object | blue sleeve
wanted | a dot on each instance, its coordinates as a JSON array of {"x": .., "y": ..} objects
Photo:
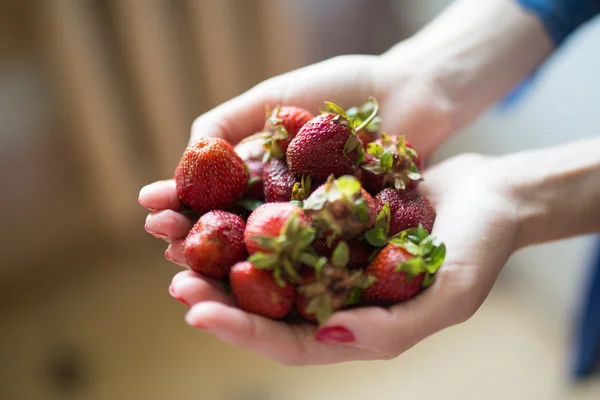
[{"x": 562, "y": 17}]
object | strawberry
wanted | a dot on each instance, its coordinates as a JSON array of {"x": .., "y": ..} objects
[
  {"x": 210, "y": 175},
  {"x": 391, "y": 162},
  {"x": 332, "y": 286},
  {"x": 278, "y": 237},
  {"x": 256, "y": 290},
  {"x": 256, "y": 183},
  {"x": 282, "y": 126},
  {"x": 360, "y": 114},
  {"x": 407, "y": 209},
  {"x": 360, "y": 251},
  {"x": 341, "y": 208},
  {"x": 327, "y": 144},
  {"x": 252, "y": 147},
  {"x": 407, "y": 264},
  {"x": 278, "y": 181},
  {"x": 215, "y": 243},
  {"x": 252, "y": 151}
]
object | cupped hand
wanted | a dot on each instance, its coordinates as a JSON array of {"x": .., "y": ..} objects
[{"x": 476, "y": 220}]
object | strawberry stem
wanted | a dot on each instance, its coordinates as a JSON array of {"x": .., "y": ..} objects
[{"x": 371, "y": 117}]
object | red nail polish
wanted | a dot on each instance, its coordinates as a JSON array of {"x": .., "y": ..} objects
[
  {"x": 182, "y": 301},
  {"x": 335, "y": 334}
]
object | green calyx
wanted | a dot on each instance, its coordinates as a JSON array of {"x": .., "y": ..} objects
[
  {"x": 287, "y": 251},
  {"x": 362, "y": 113},
  {"x": 339, "y": 207},
  {"x": 274, "y": 135},
  {"x": 301, "y": 190},
  {"x": 335, "y": 286},
  {"x": 378, "y": 235},
  {"x": 428, "y": 253},
  {"x": 355, "y": 124},
  {"x": 249, "y": 204},
  {"x": 394, "y": 159}
]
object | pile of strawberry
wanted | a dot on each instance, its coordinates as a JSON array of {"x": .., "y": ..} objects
[{"x": 311, "y": 215}]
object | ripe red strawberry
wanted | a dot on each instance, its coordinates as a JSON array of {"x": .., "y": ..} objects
[
  {"x": 215, "y": 243},
  {"x": 408, "y": 209},
  {"x": 332, "y": 286},
  {"x": 282, "y": 126},
  {"x": 256, "y": 183},
  {"x": 278, "y": 237},
  {"x": 408, "y": 263},
  {"x": 252, "y": 151},
  {"x": 278, "y": 181},
  {"x": 327, "y": 144},
  {"x": 391, "y": 162},
  {"x": 360, "y": 251},
  {"x": 256, "y": 290},
  {"x": 210, "y": 175},
  {"x": 341, "y": 208}
]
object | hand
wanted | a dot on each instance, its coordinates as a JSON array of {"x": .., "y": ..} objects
[
  {"x": 476, "y": 220},
  {"x": 409, "y": 103}
]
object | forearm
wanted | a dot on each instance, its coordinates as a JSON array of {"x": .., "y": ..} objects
[
  {"x": 475, "y": 52},
  {"x": 556, "y": 191}
]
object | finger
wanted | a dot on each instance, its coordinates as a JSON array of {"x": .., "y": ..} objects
[
  {"x": 160, "y": 195},
  {"x": 196, "y": 289},
  {"x": 174, "y": 253},
  {"x": 287, "y": 344},
  {"x": 168, "y": 225}
]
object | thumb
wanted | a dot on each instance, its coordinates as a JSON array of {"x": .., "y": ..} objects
[{"x": 237, "y": 118}]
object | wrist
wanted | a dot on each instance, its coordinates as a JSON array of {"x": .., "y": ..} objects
[
  {"x": 475, "y": 52},
  {"x": 556, "y": 191}
]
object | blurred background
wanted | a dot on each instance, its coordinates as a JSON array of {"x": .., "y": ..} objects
[{"x": 96, "y": 100}]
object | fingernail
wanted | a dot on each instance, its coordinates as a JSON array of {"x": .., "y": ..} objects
[
  {"x": 167, "y": 256},
  {"x": 157, "y": 235},
  {"x": 194, "y": 323},
  {"x": 182, "y": 301},
  {"x": 335, "y": 335}
]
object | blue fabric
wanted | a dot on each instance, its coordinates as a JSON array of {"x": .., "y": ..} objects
[
  {"x": 586, "y": 357},
  {"x": 562, "y": 17}
]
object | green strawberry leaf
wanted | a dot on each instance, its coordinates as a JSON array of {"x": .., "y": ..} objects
[
  {"x": 348, "y": 185},
  {"x": 337, "y": 109},
  {"x": 264, "y": 260},
  {"x": 353, "y": 297},
  {"x": 376, "y": 237},
  {"x": 399, "y": 183},
  {"x": 375, "y": 149},
  {"x": 383, "y": 218},
  {"x": 340, "y": 255},
  {"x": 351, "y": 144},
  {"x": 428, "y": 280},
  {"x": 387, "y": 161},
  {"x": 249, "y": 204}
]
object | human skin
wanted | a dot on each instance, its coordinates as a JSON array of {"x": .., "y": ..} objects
[{"x": 428, "y": 87}]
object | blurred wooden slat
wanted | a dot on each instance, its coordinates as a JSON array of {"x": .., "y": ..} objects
[
  {"x": 285, "y": 44},
  {"x": 220, "y": 47},
  {"x": 92, "y": 105},
  {"x": 151, "y": 51}
]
